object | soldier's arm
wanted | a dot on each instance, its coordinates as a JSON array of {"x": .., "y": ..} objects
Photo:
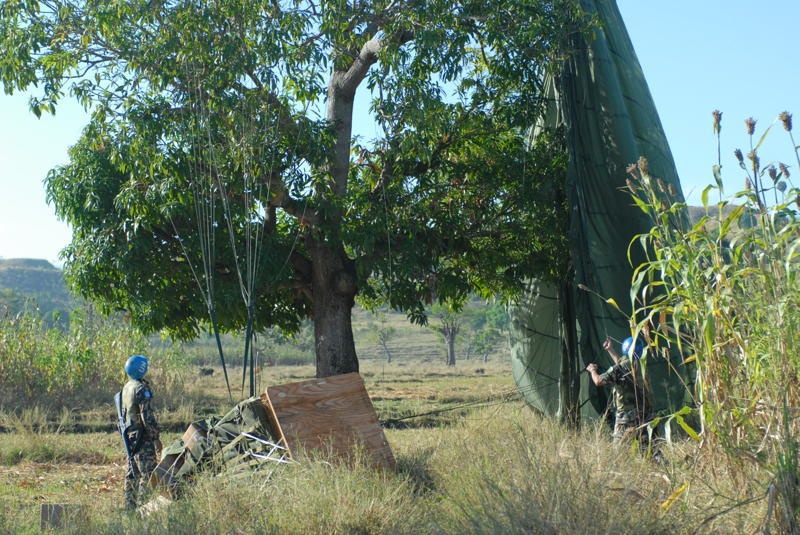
[
  {"x": 597, "y": 379},
  {"x": 149, "y": 419},
  {"x": 608, "y": 346}
]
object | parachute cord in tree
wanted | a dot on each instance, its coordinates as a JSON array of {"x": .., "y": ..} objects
[
  {"x": 251, "y": 192},
  {"x": 213, "y": 314},
  {"x": 383, "y": 120},
  {"x": 205, "y": 212},
  {"x": 251, "y": 257},
  {"x": 248, "y": 352},
  {"x": 209, "y": 305},
  {"x": 237, "y": 261},
  {"x": 204, "y": 209},
  {"x": 252, "y": 227},
  {"x": 253, "y": 237},
  {"x": 237, "y": 264},
  {"x": 205, "y": 216}
]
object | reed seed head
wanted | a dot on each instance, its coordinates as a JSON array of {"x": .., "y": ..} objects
[
  {"x": 786, "y": 119},
  {"x": 781, "y": 186},
  {"x": 739, "y": 156},
  {"x": 633, "y": 171},
  {"x": 753, "y": 157},
  {"x": 643, "y": 165},
  {"x": 717, "y": 120},
  {"x": 773, "y": 172},
  {"x": 784, "y": 170},
  {"x": 750, "y": 124}
]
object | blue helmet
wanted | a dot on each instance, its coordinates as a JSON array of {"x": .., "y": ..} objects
[
  {"x": 136, "y": 367},
  {"x": 631, "y": 349}
]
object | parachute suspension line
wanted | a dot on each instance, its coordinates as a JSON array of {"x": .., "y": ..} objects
[
  {"x": 248, "y": 352},
  {"x": 248, "y": 284},
  {"x": 253, "y": 211},
  {"x": 272, "y": 132},
  {"x": 251, "y": 185},
  {"x": 246, "y": 280},
  {"x": 223, "y": 192},
  {"x": 387, "y": 215},
  {"x": 253, "y": 236},
  {"x": 209, "y": 304},
  {"x": 254, "y": 245},
  {"x": 253, "y": 230},
  {"x": 501, "y": 398},
  {"x": 204, "y": 213},
  {"x": 196, "y": 278},
  {"x": 205, "y": 216}
]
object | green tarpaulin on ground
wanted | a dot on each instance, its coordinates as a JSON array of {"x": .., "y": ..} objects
[{"x": 602, "y": 98}]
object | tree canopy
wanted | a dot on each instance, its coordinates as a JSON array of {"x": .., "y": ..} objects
[{"x": 220, "y": 171}]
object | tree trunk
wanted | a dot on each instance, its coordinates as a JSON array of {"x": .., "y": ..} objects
[
  {"x": 386, "y": 352},
  {"x": 333, "y": 278},
  {"x": 449, "y": 330},
  {"x": 334, "y": 289},
  {"x": 450, "y": 340}
]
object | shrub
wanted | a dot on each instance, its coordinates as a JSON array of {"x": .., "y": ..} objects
[{"x": 47, "y": 367}]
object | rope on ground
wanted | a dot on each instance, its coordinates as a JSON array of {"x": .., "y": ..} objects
[{"x": 505, "y": 397}]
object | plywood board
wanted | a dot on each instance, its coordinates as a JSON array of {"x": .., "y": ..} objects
[
  {"x": 331, "y": 415},
  {"x": 274, "y": 425}
]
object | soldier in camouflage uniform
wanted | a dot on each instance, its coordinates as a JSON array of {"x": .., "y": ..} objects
[
  {"x": 141, "y": 430},
  {"x": 630, "y": 393}
]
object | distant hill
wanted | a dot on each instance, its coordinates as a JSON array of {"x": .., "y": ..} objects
[{"x": 24, "y": 281}]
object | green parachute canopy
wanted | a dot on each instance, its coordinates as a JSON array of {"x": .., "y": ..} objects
[{"x": 602, "y": 99}]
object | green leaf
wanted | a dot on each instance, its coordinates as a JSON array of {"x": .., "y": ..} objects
[
  {"x": 764, "y": 135},
  {"x": 717, "y": 170},
  {"x": 686, "y": 427},
  {"x": 704, "y": 195}
]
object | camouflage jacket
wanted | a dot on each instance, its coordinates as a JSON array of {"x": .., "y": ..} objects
[
  {"x": 138, "y": 410},
  {"x": 629, "y": 388}
]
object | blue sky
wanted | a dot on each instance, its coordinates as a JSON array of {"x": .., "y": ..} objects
[{"x": 697, "y": 56}]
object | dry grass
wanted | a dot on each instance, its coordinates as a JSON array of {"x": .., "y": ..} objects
[{"x": 496, "y": 468}]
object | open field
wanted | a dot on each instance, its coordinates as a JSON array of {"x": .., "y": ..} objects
[
  {"x": 472, "y": 458},
  {"x": 78, "y": 458}
]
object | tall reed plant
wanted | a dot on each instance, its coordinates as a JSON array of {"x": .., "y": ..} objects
[{"x": 723, "y": 293}]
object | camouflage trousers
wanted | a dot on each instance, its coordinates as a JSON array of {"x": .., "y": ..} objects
[
  {"x": 627, "y": 427},
  {"x": 141, "y": 466}
]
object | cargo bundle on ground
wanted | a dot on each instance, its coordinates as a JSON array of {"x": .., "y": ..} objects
[{"x": 331, "y": 417}]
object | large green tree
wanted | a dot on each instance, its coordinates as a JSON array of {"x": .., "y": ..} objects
[{"x": 220, "y": 172}]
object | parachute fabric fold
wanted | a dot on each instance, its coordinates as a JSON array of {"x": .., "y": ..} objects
[{"x": 611, "y": 121}]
